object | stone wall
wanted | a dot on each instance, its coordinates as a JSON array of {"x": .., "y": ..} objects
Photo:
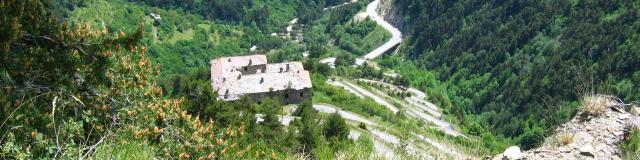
[{"x": 290, "y": 96}]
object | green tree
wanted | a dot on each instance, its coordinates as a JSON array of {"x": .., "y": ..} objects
[
  {"x": 345, "y": 59},
  {"x": 336, "y": 127}
]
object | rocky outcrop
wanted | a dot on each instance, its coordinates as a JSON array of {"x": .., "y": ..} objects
[
  {"x": 586, "y": 136},
  {"x": 392, "y": 14},
  {"x": 512, "y": 152}
]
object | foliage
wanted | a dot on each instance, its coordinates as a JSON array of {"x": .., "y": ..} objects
[
  {"x": 631, "y": 144},
  {"x": 73, "y": 92},
  {"x": 509, "y": 61},
  {"x": 336, "y": 128},
  {"x": 266, "y": 14},
  {"x": 325, "y": 93}
]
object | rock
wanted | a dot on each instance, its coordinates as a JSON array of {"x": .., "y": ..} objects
[
  {"x": 624, "y": 116},
  {"x": 596, "y": 137},
  {"x": 582, "y": 137},
  {"x": 512, "y": 152},
  {"x": 587, "y": 150},
  {"x": 635, "y": 111},
  {"x": 633, "y": 123}
]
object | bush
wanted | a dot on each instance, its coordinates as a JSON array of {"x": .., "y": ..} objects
[
  {"x": 594, "y": 105},
  {"x": 564, "y": 139},
  {"x": 336, "y": 127},
  {"x": 631, "y": 145},
  {"x": 362, "y": 126}
]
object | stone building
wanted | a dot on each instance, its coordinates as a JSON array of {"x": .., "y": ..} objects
[{"x": 234, "y": 77}]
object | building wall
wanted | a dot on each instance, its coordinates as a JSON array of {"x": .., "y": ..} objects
[{"x": 290, "y": 96}]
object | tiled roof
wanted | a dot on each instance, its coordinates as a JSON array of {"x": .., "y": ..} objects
[
  {"x": 228, "y": 80},
  {"x": 227, "y": 67}
]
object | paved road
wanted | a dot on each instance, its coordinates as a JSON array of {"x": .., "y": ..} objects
[{"x": 396, "y": 35}]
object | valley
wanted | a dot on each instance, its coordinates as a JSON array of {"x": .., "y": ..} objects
[{"x": 319, "y": 79}]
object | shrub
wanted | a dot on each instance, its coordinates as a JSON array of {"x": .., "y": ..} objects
[
  {"x": 594, "y": 105},
  {"x": 631, "y": 145},
  {"x": 564, "y": 139},
  {"x": 362, "y": 126}
]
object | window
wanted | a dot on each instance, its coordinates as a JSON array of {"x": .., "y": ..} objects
[
  {"x": 301, "y": 94},
  {"x": 245, "y": 69},
  {"x": 286, "y": 95}
]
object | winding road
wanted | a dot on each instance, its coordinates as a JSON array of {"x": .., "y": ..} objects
[
  {"x": 396, "y": 35},
  {"x": 416, "y": 105},
  {"x": 382, "y": 138}
]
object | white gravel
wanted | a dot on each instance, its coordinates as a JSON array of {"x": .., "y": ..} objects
[
  {"x": 285, "y": 120},
  {"x": 325, "y": 108},
  {"x": 437, "y": 145}
]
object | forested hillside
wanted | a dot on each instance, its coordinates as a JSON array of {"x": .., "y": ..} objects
[
  {"x": 267, "y": 14},
  {"x": 83, "y": 79},
  {"x": 516, "y": 68}
]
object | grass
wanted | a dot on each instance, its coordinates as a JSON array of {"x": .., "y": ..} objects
[
  {"x": 178, "y": 36},
  {"x": 376, "y": 38},
  {"x": 468, "y": 146},
  {"x": 631, "y": 145},
  {"x": 564, "y": 139},
  {"x": 124, "y": 151},
  {"x": 594, "y": 105}
]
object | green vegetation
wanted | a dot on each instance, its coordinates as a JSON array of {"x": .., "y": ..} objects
[
  {"x": 325, "y": 93},
  {"x": 631, "y": 145},
  {"x": 88, "y": 89},
  {"x": 514, "y": 69}
]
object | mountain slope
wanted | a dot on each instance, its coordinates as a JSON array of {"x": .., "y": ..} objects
[
  {"x": 515, "y": 68},
  {"x": 588, "y": 135}
]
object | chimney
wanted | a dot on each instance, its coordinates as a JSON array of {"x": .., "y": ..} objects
[
  {"x": 229, "y": 60},
  {"x": 261, "y": 80},
  {"x": 250, "y": 61},
  {"x": 287, "y": 67}
]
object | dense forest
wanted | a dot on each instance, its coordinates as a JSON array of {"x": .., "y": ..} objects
[
  {"x": 267, "y": 14},
  {"x": 517, "y": 68}
]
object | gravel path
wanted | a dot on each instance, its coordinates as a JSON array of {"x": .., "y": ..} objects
[
  {"x": 383, "y": 139},
  {"x": 417, "y": 109},
  {"x": 325, "y": 108},
  {"x": 361, "y": 91}
]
